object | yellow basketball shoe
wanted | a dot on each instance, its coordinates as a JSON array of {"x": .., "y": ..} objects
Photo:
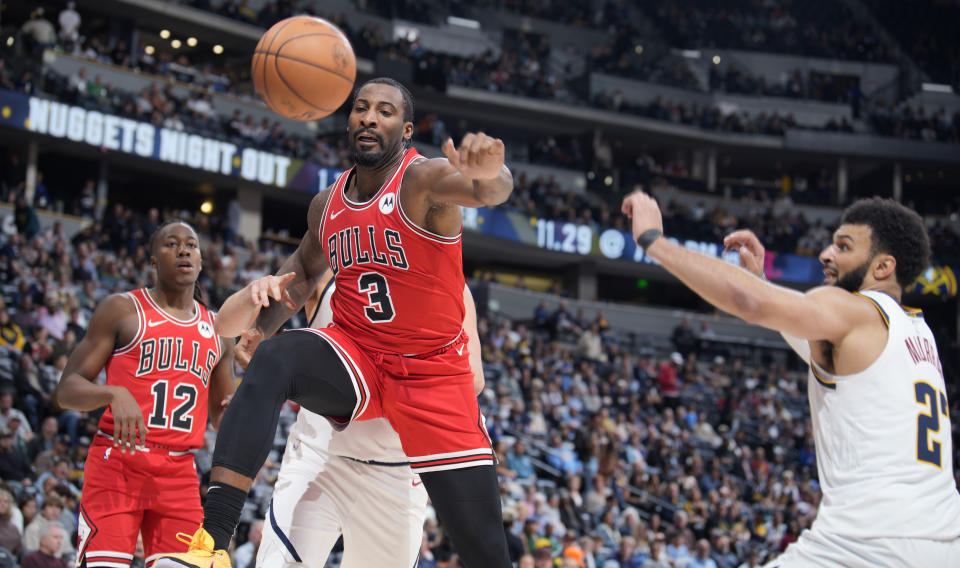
[{"x": 200, "y": 553}]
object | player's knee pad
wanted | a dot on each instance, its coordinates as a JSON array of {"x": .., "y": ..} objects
[{"x": 271, "y": 370}]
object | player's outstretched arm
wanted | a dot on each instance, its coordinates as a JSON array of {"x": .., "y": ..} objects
[
  {"x": 472, "y": 175},
  {"x": 223, "y": 383},
  {"x": 241, "y": 309},
  {"x": 78, "y": 389},
  {"x": 752, "y": 255},
  {"x": 308, "y": 263},
  {"x": 473, "y": 345},
  {"x": 824, "y": 313}
]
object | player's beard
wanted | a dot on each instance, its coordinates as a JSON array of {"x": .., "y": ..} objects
[
  {"x": 853, "y": 280},
  {"x": 369, "y": 159}
]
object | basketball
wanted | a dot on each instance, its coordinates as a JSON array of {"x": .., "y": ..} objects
[{"x": 304, "y": 68}]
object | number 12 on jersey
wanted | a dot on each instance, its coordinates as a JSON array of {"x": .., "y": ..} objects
[
  {"x": 928, "y": 423},
  {"x": 181, "y": 419}
]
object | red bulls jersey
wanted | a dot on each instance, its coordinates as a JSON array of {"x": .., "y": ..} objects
[
  {"x": 399, "y": 287},
  {"x": 167, "y": 369}
]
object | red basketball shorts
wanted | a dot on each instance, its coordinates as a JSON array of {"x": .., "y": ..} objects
[
  {"x": 152, "y": 492},
  {"x": 428, "y": 399}
]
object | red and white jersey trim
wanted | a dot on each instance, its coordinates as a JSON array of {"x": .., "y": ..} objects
[
  {"x": 141, "y": 327},
  {"x": 452, "y": 460}
]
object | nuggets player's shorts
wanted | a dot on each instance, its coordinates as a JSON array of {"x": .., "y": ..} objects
[
  {"x": 318, "y": 496},
  {"x": 821, "y": 550},
  {"x": 428, "y": 399},
  {"x": 155, "y": 492}
]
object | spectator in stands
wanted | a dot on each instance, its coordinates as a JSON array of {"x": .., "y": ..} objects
[
  {"x": 10, "y": 415},
  {"x": 60, "y": 450},
  {"x": 753, "y": 560},
  {"x": 11, "y": 335},
  {"x": 49, "y": 513},
  {"x": 44, "y": 440},
  {"x": 39, "y": 32},
  {"x": 628, "y": 556},
  {"x": 519, "y": 462},
  {"x": 702, "y": 558},
  {"x": 10, "y": 535},
  {"x": 48, "y": 555},
  {"x": 69, "y": 20},
  {"x": 543, "y": 557},
  {"x": 684, "y": 337},
  {"x": 246, "y": 553},
  {"x": 25, "y": 217},
  {"x": 667, "y": 382},
  {"x": 562, "y": 321}
]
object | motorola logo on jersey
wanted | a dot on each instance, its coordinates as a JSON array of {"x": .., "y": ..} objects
[
  {"x": 387, "y": 203},
  {"x": 166, "y": 353},
  {"x": 205, "y": 329},
  {"x": 354, "y": 245}
]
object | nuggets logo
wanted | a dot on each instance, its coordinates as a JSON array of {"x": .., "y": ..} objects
[
  {"x": 205, "y": 329},
  {"x": 936, "y": 281},
  {"x": 387, "y": 203}
]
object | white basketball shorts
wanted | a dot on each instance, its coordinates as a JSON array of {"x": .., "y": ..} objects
[
  {"x": 378, "y": 509},
  {"x": 815, "y": 549}
]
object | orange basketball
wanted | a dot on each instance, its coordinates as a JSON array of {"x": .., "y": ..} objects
[{"x": 304, "y": 68}]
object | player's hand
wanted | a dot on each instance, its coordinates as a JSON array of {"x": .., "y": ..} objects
[
  {"x": 478, "y": 157},
  {"x": 266, "y": 287},
  {"x": 644, "y": 213},
  {"x": 249, "y": 340},
  {"x": 751, "y": 251},
  {"x": 128, "y": 425}
]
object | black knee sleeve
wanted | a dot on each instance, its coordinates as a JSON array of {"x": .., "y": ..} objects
[
  {"x": 467, "y": 502},
  {"x": 298, "y": 365}
]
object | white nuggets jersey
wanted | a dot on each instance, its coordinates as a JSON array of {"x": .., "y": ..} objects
[
  {"x": 372, "y": 440},
  {"x": 884, "y": 450}
]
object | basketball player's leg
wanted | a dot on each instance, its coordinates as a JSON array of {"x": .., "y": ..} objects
[
  {"x": 300, "y": 365},
  {"x": 467, "y": 502},
  {"x": 110, "y": 510},
  {"x": 384, "y": 525},
  {"x": 306, "y": 513},
  {"x": 174, "y": 507},
  {"x": 438, "y": 420}
]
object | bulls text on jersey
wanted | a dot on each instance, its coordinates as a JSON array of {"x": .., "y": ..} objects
[
  {"x": 166, "y": 353},
  {"x": 358, "y": 245}
]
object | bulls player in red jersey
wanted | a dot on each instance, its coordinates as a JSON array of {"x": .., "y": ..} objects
[
  {"x": 167, "y": 373},
  {"x": 389, "y": 229}
]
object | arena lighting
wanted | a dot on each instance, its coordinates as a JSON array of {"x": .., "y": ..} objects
[
  {"x": 716, "y": 60},
  {"x": 10, "y": 41},
  {"x": 406, "y": 32},
  {"x": 638, "y": 50},
  {"x": 218, "y": 49},
  {"x": 149, "y": 50},
  {"x": 192, "y": 41},
  {"x": 175, "y": 44},
  {"x": 164, "y": 34},
  {"x": 206, "y": 207},
  {"x": 463, "y": 22},
  {"x": 936, "y": 88},
  {"x": 690, "y": 53},
  {"x": 608, "y": 180}
]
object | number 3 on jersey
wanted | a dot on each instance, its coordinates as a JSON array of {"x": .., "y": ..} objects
[
  {"x": 928, "y": 451},
  {"x": 379, "y": 308}
]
